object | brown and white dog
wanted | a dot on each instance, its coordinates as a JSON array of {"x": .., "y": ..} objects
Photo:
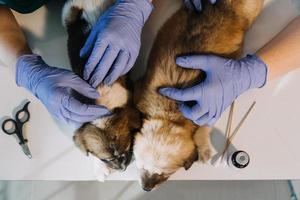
[
  {"x": 109, "y": 138},
  {"x": 168, "y": 141}
]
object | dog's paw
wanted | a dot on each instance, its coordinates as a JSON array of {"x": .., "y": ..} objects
[
  {"x": 205, "y": 154},
  {"x": 202, "y": 142}
]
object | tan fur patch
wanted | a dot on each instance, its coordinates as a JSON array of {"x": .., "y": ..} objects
[{"x": 112, "y": 96}]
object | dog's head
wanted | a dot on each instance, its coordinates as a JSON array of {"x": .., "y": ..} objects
[
  {"x": 110, "y": 138},
  {"x": 160, "y": 149}
]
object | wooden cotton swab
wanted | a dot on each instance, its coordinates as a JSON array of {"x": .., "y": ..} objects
[
  {"x": 242, "y": 121},
  {"x": 230, "y": 138},
  {"x": 228, "y": 129}
]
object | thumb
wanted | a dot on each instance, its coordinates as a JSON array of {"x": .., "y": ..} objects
[
  {"x": 88, "y": 46},
  {"x": 203, "y": 62},
  {"x": 187, "y": 94}
]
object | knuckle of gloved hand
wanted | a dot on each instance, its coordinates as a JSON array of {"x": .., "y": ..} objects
[
  {"x": 114, "y": 47},
  {"x": 101, "y": 40},
  {"x": 194, "y": 116},
  {"x": 65, "y": 99}
]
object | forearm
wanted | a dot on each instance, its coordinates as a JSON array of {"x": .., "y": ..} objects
[
  {"x": 282, "y": 53},
  {"x": 12, "y": 40}
]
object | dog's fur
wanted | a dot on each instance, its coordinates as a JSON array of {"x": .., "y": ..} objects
[
  {"x": 109, "y": 138},
  {"x": 167, "y": 140}
]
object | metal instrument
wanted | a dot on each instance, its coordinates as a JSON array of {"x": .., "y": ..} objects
[{"x": 15, "y": 127}]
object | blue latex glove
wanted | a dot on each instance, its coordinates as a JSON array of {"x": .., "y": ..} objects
[
  {"x": 196, "y": 4},
  {"x": 115, "y": 40},
  {"x": 226, "y": 79},
  {"x": 53, "y": 86}
]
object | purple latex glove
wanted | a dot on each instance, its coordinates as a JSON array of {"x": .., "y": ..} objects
[
  {"x": 53, "y": 86},
  {"x": 226, "y": 79},
  {"x": 196, "y": 4},
  {"x": 115, "y": 40}
]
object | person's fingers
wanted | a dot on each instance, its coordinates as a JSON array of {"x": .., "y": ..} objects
[
  {"x": 187, "y": 94},
  {"x": 212, "y": 121},
  {"x": 193, "y": 112},
  {"x": 197, "y": 4},
  {"x": 77, "y": 117},
  {"x": 203, "y": 62},
  {"x": 129, "y": 65},
  {"x": 88, "y": 46},
  {"x": 97, "y": 54},
  {"x": 103, "y": 67},
  {"x": 193, "y": 4},
  {"x": 75, "y": 106},
  {"x": 188, "y": 4},
  {"x": 73, "y": 123},
  {"x": 117, "y": 68},
  {"x": 82, "y": 87},
  {"x": 203, "y": 120}
]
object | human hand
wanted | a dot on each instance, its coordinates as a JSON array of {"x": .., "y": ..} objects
[
  {"x": 196, "y": 4},
  {"x": 53, "y": 87},
  {"x": 114, "y": 42},
  {"x": 225, "y": 80}
]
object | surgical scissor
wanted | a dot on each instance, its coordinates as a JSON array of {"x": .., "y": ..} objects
[{"x": 15, "y": 127}]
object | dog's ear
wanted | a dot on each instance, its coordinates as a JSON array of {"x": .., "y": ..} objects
[
  {"x": 80, "y": 142},
  {"x": 90, "y": 139},
  {"x": 193, "y": 158}
]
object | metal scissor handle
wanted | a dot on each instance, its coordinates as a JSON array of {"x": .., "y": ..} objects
[
  {"x": 23, "y": 116},
  {"x": 15, "y": 126},
  {"x": 10, "y": 127}
]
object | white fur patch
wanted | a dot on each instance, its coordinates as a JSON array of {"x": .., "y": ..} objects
[
  {"x": 101, "y": 171},
  {"x": 150, "y": 126},
  {"x": 159, "y": 152},
  {"x": 92, "y": 9},
  {"x": 100, "y": 123}
]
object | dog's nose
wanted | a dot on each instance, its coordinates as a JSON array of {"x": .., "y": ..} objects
[{"x": 122, "y": 159}]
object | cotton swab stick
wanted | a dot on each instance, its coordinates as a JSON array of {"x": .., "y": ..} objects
[
  {"x": 229, "y": 122},
  {"x": 219, "y": 160},
  {"x": 242, "y": 121},
  {"x": 229, "y": 137},
  {"x": 228, "y": 129}
]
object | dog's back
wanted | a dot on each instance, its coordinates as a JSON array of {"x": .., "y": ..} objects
[{"x": 190, "y": 32}]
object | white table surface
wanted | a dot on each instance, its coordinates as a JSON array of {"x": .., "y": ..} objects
[{"x": 271, "y": 134}]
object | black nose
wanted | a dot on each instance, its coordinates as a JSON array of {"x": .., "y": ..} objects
[
  {"x": 147, "y": 189},
  {"x": 122, "y": 159}
]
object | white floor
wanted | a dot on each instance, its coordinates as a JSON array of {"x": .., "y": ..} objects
[{"x": 173, "y": 190}]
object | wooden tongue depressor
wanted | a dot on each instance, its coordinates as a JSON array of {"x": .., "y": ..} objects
[{"x": 229, "y": 137}]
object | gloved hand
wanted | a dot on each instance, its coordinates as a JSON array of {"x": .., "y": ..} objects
[
  {"x": 196, "y": 4},
  {"x": 226, "y": 79},
  {"x": 114, "y": 42},
  {"x": 53, "y": 86}
]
